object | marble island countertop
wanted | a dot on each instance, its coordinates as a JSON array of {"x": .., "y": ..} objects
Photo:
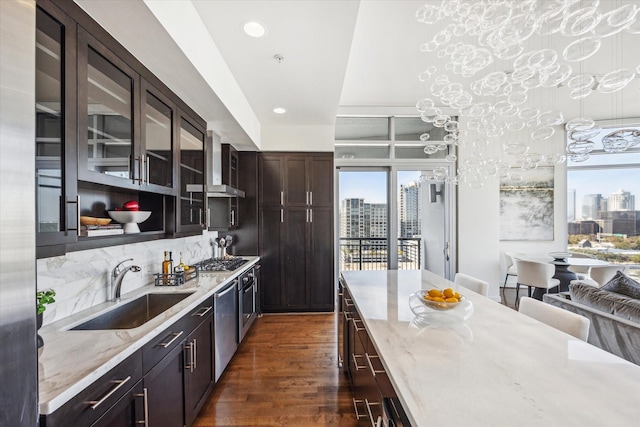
[
  {"x": 497, "y": 368},
  {"x": 70, "y": 361}
]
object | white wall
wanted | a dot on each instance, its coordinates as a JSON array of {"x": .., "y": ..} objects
[{"x": 297, "y": 138}]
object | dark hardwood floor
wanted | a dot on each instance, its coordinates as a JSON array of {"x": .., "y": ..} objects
[{"x": 285, "y": 373}]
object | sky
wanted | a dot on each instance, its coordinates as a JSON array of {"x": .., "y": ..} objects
[{"x": 370, "y": 186}]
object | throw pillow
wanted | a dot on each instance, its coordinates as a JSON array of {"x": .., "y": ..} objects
[
  {"x": 593, "y": 297},
  {"x": 623, "y": 284}
]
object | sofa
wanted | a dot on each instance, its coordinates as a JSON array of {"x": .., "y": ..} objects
[{"x": 614, "y": 316}]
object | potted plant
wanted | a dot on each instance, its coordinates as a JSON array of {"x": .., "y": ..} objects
[{"x": 42, "y": 299}]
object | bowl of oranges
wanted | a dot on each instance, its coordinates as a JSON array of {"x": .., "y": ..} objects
[{"x": 445, "y": 299}]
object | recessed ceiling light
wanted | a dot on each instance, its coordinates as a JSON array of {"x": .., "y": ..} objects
[
  {"x": 254, "y": 29},
  {"x": 279, "y": 110}
]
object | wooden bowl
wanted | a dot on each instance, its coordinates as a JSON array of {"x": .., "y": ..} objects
[{"x": 90, "y": 220}]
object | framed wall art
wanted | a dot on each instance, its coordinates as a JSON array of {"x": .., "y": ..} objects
[{"x": 526, "y": 206}]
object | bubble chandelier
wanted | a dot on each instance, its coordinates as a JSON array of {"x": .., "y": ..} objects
[{"x": 490, "y": 103}]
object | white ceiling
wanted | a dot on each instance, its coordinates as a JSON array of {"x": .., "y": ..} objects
[{"x": 340, "y": 56}]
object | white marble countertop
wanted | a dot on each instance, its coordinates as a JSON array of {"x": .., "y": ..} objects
[
  {"x": 70, "y": 361},
  {"x": 498, "y": 368}
]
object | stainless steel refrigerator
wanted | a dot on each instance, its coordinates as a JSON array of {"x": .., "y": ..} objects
[{"x": 18, "y": 352}]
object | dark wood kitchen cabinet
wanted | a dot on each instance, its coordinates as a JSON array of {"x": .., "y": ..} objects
[
  {"x": 296, "y": 231},
  {"x": 191, "y": 200},
  {"x": 163, "y": 385},
  {"x": 127, "y": 412},
  {"x": 56, "y": 158},
  {"x": 374, "y": 398},
  {"x": 107, "y": 131},
  {"x": 198, "y": 369},
  {"x": 125, "y": 125},
  {"x": 115, "y": 399},
  {"x": 179, "y": 368}
]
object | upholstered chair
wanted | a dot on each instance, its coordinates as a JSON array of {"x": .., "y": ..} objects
[
  {"x": 559, "y": 318},
  {"x": 476, "y": 285},
  {"x": 535, "y": 274}
]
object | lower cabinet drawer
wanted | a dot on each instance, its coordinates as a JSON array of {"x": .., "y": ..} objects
[
  {"x": 155, "y": 350},
  {"x": 94, "y": 401}
]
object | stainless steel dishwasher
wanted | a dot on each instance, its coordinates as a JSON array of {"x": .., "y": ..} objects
[{"x": 226, "y": 324}]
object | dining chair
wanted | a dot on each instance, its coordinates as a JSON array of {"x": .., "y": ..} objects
[
  {"x": 601, "y": 274},
  {"x": 559, "y": 318},
  {"x": 476, "y": 285},
  {"x": 582, "y": 271},
  {"x": 509, "y": 266},
  {"x": 534, "y": 274}
]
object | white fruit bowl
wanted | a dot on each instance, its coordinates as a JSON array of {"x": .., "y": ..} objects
[{"x": 130, "y": 219}]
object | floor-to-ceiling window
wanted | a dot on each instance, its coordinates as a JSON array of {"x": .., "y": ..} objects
[
  {"x": 391, "y": 213},
  {"x": 603, "y": 203}
]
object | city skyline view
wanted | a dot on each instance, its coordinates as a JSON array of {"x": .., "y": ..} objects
[{"x": 601, "y": 182}]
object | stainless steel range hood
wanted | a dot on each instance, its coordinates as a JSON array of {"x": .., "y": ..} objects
[{"x": 213, "y": 190}]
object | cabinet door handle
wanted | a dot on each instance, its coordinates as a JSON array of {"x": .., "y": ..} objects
[
  {"x": 281, "y": 215},
  {"x": 195, "y": 354},
  {"x": 306, "y": 214},
  {"x": 355, "y": 406},
  {"x": 346, "y": 316},
  {"x": 310, "y": 198},
  {"x": 78, "y": 212},
  {"x": 119, "y": 384},
  {"x": 374, "y": 372},
  {"x": 202, "y": 311},
  {"x": 208, "y": 217},
  {"x": 189, "y": 365},
  {"x": 306, "y": 197},
  {"x": 143, "y": 169},
  {"x": 355, "y": 324},
  {"x": 310, "y": 215},
  {"x": 233, "y": 217},
  {"x": 282, "y": 198},
  {"x": 355, "y": 361},
  {"x": 145, "y": 406},
  {"x": 146, "y": 173},
  {"x": 368, "y": 405},
  {"x": 175, "y": 336}
]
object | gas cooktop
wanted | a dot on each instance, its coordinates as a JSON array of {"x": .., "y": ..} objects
[{"x": 220, "y": 264}]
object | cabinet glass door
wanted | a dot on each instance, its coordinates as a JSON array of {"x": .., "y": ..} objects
[
  {"x": 56, "y": 204},
  {"x": 109, "y": 121},
  {"x": 191, "y": 175},
  {"x": 158, "y": 135}
]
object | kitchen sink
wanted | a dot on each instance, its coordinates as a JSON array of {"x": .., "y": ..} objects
[{"x": 133, "y": 314}]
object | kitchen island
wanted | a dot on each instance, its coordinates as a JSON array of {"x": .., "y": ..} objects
[{"x": 496, "y": 368}]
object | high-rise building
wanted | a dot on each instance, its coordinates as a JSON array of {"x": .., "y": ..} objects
[
  {"x": 591, "y": 205},
  {"x": 352, "y": 218},
  {"x": 360, "y": 219},
  {"x": 621, "y": 201},
  {"x": 376, "y": 220},
  {"x": 571, "y": 204},
  {"x": 409, "y": 215}
]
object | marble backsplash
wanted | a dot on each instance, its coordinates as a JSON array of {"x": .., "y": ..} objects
[{"x": 82, "y": 279}]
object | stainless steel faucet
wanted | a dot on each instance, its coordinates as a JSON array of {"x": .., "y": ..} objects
[{"x": 116, "y": 278}]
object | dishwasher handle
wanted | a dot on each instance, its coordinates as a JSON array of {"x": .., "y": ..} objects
[{"x": 231, "y": 287}]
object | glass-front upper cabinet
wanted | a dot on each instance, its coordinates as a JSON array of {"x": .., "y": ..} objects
[
  {"x": 56, "y": 190},
  {"x": 106, "y": 88},
  {"x": 191, "y": 200},
  {"x": 157, "y": 154}
]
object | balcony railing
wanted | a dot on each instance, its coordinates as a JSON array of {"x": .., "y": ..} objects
[{"x": 365, "y": 253}]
